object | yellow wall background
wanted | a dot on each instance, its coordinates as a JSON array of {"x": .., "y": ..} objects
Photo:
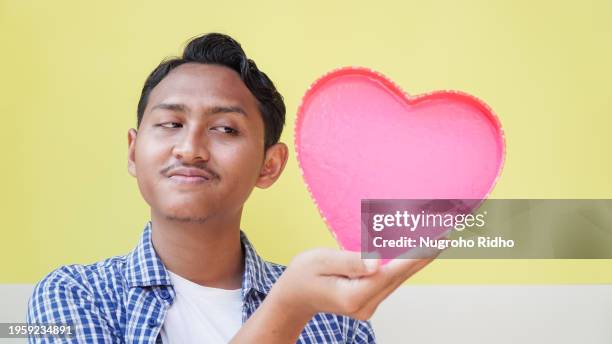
[{"x": 72, "y": 72}]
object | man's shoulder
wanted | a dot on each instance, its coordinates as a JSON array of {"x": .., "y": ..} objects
[
  {"x": 74, "y": 275},
  {"x": 79, "y": 283},
  {"x": 81, "y": 295}
]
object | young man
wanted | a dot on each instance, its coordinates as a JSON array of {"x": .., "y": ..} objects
[{"x": 208, "y": 129}]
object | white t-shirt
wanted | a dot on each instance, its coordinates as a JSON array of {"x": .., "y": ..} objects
[{"x": 201, "y": 314}]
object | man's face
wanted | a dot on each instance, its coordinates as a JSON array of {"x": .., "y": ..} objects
[{"x": 199, "y": 150}]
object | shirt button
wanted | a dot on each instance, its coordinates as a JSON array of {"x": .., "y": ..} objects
[
  {"x": 164, "y": 294},
  {"x": 152, "y": 322}
]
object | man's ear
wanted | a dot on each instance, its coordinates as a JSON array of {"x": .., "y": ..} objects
[
  {"x": 132, "y": 151},
  {"x": 274, "y": 163}
]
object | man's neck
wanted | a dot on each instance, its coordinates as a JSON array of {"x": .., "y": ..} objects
[{"x": 208, "y": 253}]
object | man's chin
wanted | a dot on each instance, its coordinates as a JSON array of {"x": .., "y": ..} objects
[{"x": 187, "y": 218}]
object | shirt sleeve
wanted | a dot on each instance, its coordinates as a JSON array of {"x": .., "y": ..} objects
[
  {"x": 363, "y": 333},
  {"x": 62, "y": 298}
]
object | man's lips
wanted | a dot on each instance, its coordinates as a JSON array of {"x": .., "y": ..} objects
[
  {"x": 190, "y": 175},
  {"x": 188, "y": 179}
]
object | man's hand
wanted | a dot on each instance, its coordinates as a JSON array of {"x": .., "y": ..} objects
[
  {"x": 332, "y": 281},
  {"x": 328, "y": 281}
]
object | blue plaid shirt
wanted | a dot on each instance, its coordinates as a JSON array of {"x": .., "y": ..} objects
[{"x": 124, "y": 299}]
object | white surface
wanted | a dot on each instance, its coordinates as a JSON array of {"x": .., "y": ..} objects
[
  {"x": 459, "y": 314},
  {"x": 496, "y": 314},
  {"x": 14, "y": 306}
]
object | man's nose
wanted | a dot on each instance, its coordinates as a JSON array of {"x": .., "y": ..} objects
[{"x": 193, "y": 146}]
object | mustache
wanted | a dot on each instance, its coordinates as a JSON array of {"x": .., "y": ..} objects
[{"x": 202, "y": 167}]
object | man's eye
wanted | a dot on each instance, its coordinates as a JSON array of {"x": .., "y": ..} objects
[
  {"x": 171, "y": 125},
  {"x": 227, "y": 130}
]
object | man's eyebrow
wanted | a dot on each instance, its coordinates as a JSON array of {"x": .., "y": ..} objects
[
  {"x": 226, "y": 109},
  {"x": 171, "y": 106}
]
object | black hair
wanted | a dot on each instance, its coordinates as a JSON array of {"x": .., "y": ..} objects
[{"x": 220, "y": 49}]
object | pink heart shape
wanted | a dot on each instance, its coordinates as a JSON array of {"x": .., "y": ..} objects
[{"x": 359, "y": 136}]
